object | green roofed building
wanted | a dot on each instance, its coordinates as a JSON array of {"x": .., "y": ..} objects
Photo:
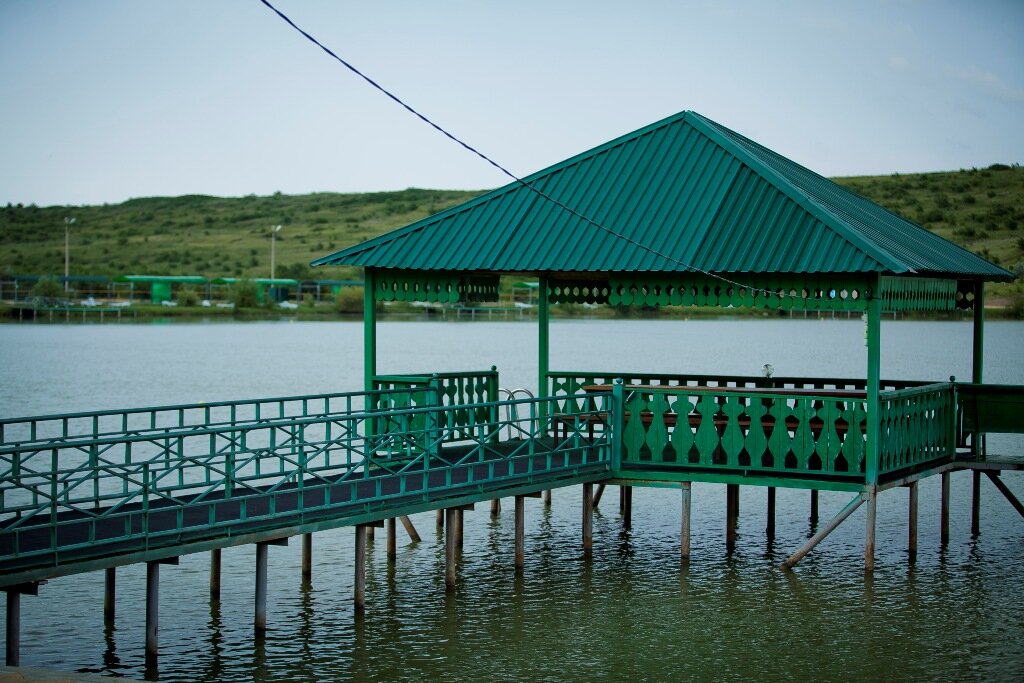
[{"x": 160, "y": 286}]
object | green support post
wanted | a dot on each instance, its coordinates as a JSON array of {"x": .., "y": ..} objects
[
  {"x": 874, "y": 343},
  {"x": 978, "y": 352},
  {"x": 979, "y": 332},
  {"x": 542, "y": 341},
  {"x": 369, "y": 330},
  {"x": 618, "y": 420}
]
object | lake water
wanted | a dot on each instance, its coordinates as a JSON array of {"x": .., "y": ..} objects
[{"x": 629, "y": 612}]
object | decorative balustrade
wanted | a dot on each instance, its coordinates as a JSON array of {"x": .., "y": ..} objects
[
  {"x": 472, "y": 393},
  {"x": 917, "y": 427},
  {"x": 814, "y": 433},
  {"x": 562, "y": 384}
]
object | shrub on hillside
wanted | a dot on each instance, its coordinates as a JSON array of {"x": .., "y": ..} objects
[{"x": 349, "y": 300}]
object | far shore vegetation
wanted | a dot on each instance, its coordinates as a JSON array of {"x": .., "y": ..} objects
[{"x": 982, "y": 209}]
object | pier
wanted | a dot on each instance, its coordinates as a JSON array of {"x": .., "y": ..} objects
[{"x": 94, "y": 491}]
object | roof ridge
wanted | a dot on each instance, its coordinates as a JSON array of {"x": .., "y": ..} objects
[{"x": 802, "y": 199}]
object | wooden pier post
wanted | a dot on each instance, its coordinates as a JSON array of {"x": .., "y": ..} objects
[
  {"x": 152, "y": 609},
  {"x": 307, "y": 558},
  {"x": 414, "y": 535},
  {"x": 588, "y": 518},
  {"x": 912, "y": 519},
  {"x": 392, "y": 541},
  {"x": 869, "y": 535},
  {"x": 547, "y": 498},
  {"x": 597, "y": 494},
  {"x": 215, "y": 574},
  {"x": 684, "y": 529},
  {"x": 439, "y": 518},
  {"x": 459, "y": 519},
  {"x": 449, "y": 549},
  {"x": 814, "y": 507},
  {"x": 975, "y": 503},
  {"x": 732, "y": 494},
  {"x": 495, "y": 507},
  {"x": 261, "y": 587},
  {"x": 14, "y": 593},
  {"x": 109, "y": 594},
  {"x": 360, "y": 568},
  {"x": 769, "y": 529},
  {"x": 13, "y": 628},
  {"x": 369, "y": 533},
  {"x": 520, "y": 524},
  {"x": 944, "y": 512},
  {"x": 627, "y": 506}
]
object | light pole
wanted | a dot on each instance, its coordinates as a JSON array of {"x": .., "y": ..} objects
[
  {"x": 67, "y": 249},
  {"x": 273, "y": 242}
]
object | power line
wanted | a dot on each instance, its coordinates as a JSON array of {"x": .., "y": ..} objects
[{"x": 498, "y": 166}]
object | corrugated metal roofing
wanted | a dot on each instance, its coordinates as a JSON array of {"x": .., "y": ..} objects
[{"x": 681, "y": 194}]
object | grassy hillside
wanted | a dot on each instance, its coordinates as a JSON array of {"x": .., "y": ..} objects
[
  {"x": 981, "y": 209},
  {"x": 209, "y": 236}
]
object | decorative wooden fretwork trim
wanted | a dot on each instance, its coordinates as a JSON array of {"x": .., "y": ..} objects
[
  {"x": 433, "y": 287},
  {"x": 917, "y": 294}
]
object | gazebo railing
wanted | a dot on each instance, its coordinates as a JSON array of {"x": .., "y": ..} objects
[
  {"x": 917, "y": 427},
  {"x": 474, "y": 393},
  {"x": 572, "y": 383},
  {"x": 742, "y": 430}
]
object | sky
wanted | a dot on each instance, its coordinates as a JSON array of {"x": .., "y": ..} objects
[{"x": 107, "y": 100}]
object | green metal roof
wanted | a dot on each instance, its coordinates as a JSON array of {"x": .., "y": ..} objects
[
  {"x": 682, "y": 194},
  {"x": 170, "y": 279}
]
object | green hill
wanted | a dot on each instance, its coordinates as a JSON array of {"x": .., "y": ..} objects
[{"x": 981, "y": 209}]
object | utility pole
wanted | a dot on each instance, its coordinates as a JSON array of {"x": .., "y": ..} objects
[
  {"x": 273, "y": 242},
  {"x": 67, "y": 251}
]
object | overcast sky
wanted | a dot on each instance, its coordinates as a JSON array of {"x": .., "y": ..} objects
[{"x": 111, "y": 99}]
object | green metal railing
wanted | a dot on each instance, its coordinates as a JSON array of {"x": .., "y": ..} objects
[
  {"x": 918, "y": 427},
  {"x": 78, "y": 498},
  {"x": 95, "y": 424}
]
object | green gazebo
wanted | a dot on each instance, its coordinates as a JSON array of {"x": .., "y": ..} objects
[{"x": 686, "y": 212}]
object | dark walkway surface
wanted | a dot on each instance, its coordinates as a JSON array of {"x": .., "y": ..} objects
[{"x": 326, "y": 501}]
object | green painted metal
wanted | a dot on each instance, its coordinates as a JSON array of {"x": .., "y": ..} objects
[
  {"x": 978, "y": 337},
  {"x": 679, "y": 195},
  {"x": 110, "y": 423},
  {"x": 672, "y": 479},
  {"x": 543, "y": 338},
  {"x": 79, "y": 499},
  {"x": 369, "y": 330},
  {"x": 873, "y": 340}
]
